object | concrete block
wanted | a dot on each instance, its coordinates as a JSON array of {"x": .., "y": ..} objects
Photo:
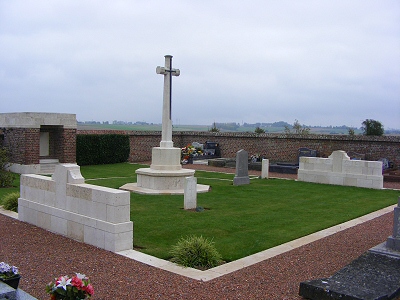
[
  {"x": 114, "y": 228},
  {"x": 349, "y": 181},
  {"x": 79, "y": 191},
  {"x": 99, "y": 211},
  {"x": 59, "y": 225},
  {"x": 44, "y": 220},
  {"x": 110, "y": 196},
  {"x": 118, "y": 242},
  {"x": 75, "y": 231},
  {"x": 118, "y": 214}
]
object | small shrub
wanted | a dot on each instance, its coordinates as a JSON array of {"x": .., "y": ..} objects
[
  {"x": 195, "y": 252},
  {"x": 6, "y": 177},
  {"x": 10, "y": 201}
]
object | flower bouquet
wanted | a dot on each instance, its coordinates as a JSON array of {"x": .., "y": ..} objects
[
  {"x": 9, "y": 275},
  {"x": 76, "y": 288}
]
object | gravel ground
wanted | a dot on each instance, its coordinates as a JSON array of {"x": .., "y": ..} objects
[{"x": 41, "y": 256}]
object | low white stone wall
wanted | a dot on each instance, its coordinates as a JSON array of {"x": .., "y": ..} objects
[
  {"x": 340, "y": 170},
  {"x": 64, "y": 204}
]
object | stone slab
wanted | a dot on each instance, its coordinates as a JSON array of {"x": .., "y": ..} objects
[
  {"x": 8, "y": 293},
  {"x": 372, "y": 276}
]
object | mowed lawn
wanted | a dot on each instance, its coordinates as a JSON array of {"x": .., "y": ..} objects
[{"x": 241, "y": 220}]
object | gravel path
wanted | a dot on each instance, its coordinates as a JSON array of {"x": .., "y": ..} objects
[{"x": 41, "y": 256}]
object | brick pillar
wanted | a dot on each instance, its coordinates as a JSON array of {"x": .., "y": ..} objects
[{"x": 68, "y": 146}]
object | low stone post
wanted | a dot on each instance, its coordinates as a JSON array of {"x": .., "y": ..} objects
[
  {"x": 190, "y": 193},
  {"x": 265, "y": 168}
]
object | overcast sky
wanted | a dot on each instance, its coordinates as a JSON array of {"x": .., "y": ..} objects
[{"x": 320, "y": 62}]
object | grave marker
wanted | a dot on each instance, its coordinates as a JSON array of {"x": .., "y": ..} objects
[
  {"x": 393, "y": 241},
  {"x": 190, "y": 193},
  {"x": 265, "y": 168},
  {"x": 242, "y": 168}
]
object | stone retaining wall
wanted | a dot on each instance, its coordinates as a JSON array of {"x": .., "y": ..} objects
[{"x": 64, "y": 204}]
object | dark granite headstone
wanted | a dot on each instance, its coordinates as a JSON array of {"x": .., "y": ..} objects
[
  {"x": 375, "y": 275},
  {"x": 306, "y": 152},
  {"x": 242, "y": 168},
  {"x": 7, "y": 292},
  {"x": 372, "y": 276},
  {"x": 393, "y": 241}
]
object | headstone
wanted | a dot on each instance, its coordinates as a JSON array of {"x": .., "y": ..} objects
[
  {"x": 306, "y": 152},
  {"x": 265, "y": 168},
  {"x": 242, "y": 168},
  {"x": 393, "y": 241},
  {"x": 190, "y": 193}
]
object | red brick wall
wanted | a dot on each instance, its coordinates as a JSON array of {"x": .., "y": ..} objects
[
  {"x": 276, "y": 147},
  {"x": 23, "y": 144}
]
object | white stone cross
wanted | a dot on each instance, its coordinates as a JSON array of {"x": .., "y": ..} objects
[{"x": 168, "y": 72}]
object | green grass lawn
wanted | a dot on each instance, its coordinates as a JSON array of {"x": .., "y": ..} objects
[{"x": 241, "y": 220}]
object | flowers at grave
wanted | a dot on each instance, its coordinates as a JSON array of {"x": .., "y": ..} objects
[
  {"x": 190, "y": 151},
  {"x": 7, "y": 271},
  {"x": 255, "y": 158},
  {"x": 66, "y": 288}
]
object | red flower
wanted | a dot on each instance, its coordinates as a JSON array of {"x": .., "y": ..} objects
[
  {"x": 77, "y": 282},
  {"x": 89, "y": 289}
]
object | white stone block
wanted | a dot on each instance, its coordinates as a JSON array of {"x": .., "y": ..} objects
[
  {"x": 110, "y": 196},
  {"x": 118, "y": 214},
  {"x": 75, "y": 230},
  {"x": 118, "y": 242},
  {"x": 59, "y": 225},
  {"x": 336, "y": 179},
  {"x": 83, "y": 192},
  {"x": 115, "y": 228},
  {"x": 44, "y": 220},
  {"x": 99, "y": 211}
]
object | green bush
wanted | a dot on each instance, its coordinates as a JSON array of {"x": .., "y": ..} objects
[
  {"x": 195, "y": 252},
  {"x": 6, "y": 177},
  {"x": 98, "y": 149},
  {"x": 10, "y": 201}
]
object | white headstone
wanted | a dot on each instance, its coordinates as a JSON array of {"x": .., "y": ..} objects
[
  {"x": 265, "y": 168},
  {"x": 190, "y": 193}
]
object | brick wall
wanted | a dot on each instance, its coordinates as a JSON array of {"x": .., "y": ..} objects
[
  {"x": 23, "y": 144},
  {"x": 276, "y": 147}
]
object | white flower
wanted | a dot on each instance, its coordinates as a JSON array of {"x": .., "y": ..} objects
[
  {"x": 63, "y": 282},
  {"x": 81, "y": 276}
]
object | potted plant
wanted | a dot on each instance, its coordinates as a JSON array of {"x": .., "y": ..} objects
[
  {"x": 76, "y": 287},
  {"x": 9, "y": 275}
]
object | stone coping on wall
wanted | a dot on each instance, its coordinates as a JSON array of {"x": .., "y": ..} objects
[{"x": 37, "y": 119}]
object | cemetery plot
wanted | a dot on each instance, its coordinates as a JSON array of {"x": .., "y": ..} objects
[{"x": 242, "y": 220}]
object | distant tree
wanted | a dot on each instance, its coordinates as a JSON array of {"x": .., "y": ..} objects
[
  {"x": 298, "y": 129},
  {"x": 259, "y": 130},
  {"x": 351, "y": 131},
  {"x": 372, "y": 127},
  {"x": 214, "y": 128}
]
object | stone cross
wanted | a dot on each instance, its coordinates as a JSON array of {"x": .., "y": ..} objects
[{"x": 168, "y": 72}]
